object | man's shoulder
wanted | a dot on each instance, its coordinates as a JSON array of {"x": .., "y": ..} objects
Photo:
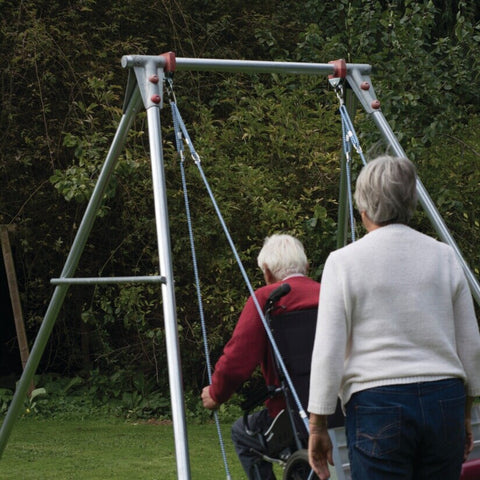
[{"x": 294, "y": 281}]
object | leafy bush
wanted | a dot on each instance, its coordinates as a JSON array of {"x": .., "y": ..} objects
[
  {"x": 97, "y": 395},
  {"x": 269, "y": 146}
]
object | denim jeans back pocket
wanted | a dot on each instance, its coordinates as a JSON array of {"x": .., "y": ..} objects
[
  {"x": 453, "y": 420},
  {"x": 378, "y": 430}
]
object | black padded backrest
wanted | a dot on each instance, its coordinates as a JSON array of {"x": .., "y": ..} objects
[{"x": 294, "y": 334}]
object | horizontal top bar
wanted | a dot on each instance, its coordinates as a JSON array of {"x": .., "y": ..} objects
[
  {"x": 242, "y": 66},
  {"x": 95, "y": 280},
  {"x": 252, "y": 66}
]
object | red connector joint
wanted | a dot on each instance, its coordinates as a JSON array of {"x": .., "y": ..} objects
[
  {"x": 339, "y": 68},
  {"x": 170, "y": 62}
]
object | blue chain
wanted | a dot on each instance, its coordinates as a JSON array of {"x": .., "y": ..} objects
[
  {"x": 179, "y": 144},
  {"x": 181, "y": 126},
  {"x": 349, "y": 139}
]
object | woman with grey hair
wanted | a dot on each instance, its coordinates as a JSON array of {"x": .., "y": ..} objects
[{"x": 397, "y": 340}]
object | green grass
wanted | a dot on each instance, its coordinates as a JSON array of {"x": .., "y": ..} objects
[{"x": 101, "y": 449}]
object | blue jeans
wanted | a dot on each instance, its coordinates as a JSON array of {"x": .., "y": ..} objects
[
  {"x": 409, "y": 432},
  {"x": 252, "y": 463}
]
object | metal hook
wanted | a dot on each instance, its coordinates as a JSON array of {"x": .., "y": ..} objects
[
  {"x": 170, "y": 92},
  {"x": 337, "y": 86}
]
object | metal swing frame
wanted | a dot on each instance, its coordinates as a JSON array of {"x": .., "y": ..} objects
[{"x": 145, "y": 85}]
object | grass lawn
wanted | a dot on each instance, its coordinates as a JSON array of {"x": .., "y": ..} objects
[{"x": 111, "y": 449}]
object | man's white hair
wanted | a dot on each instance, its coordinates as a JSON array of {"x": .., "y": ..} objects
[{"x": 283, "y": 255}]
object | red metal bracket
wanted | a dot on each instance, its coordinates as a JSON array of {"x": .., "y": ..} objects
[
  {"x": 170, "y": 62},
  {"x": 339, "y": 68}
]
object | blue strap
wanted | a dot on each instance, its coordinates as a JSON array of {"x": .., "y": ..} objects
[
  {"x": 349, "y": 139},
  {"x": 179, "y": 144},
  {"x": 196, "y": 158}
]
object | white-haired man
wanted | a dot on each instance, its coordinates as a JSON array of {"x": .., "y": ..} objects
[{"x": 282, "y": 259}]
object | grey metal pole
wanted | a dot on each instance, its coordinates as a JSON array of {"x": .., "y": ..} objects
[
  {"x": 168, "y": 295},
  {"x": 428, "y": 205},
  {"x": 107, "y": 280},
  {"x": 68, "y": 271},
  {"x": 252, "y": 66},
  {"x": 149, "y": 72},
  {"x": 241, "y": 66}
]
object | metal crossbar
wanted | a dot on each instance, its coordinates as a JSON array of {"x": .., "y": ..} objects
[{"x": 102, "y": 280}]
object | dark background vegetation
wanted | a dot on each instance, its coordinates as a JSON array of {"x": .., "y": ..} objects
[{"x": 269, "y": 145}]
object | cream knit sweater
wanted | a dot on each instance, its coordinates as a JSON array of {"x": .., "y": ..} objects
[{"x": 395, "y": 308}]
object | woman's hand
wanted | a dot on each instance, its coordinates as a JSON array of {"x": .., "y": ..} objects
[{"x": 319, "y": 446}]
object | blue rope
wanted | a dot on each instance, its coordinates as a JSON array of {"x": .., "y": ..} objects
[
  {"x": 349, "y": 139},
  {"x": 347, "y": 148},
  {"x": 197, "y": 161},
  {"x": 179, "y": 143}
]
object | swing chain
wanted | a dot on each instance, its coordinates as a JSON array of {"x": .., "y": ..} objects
[
  {"x": 169, "y": 87},
  {"x": 349, "y": 139},
  {"x": 178, "y": 121},
  {"x": 179, "y": 125}
]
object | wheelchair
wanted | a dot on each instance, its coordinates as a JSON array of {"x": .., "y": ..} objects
[{"x": 285, "y": 442}]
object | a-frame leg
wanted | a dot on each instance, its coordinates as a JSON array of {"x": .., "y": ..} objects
[
  {"x": 68, "y": 271},
  {"x": 362, "y": 87},
  {"x": 147, "y": 87},
  {"x": 150, "y": 76}
]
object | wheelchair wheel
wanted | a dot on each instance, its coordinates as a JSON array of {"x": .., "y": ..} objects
[{"x": 297, "y": 467}]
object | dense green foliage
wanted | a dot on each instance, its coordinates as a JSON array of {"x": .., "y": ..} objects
[{"x": 269, "y": 146}]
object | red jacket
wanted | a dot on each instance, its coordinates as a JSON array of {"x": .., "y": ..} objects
[{"x": 249, "y": 345}]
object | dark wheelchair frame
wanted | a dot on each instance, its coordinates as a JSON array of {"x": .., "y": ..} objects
[{"x": 285, "y": 442}]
